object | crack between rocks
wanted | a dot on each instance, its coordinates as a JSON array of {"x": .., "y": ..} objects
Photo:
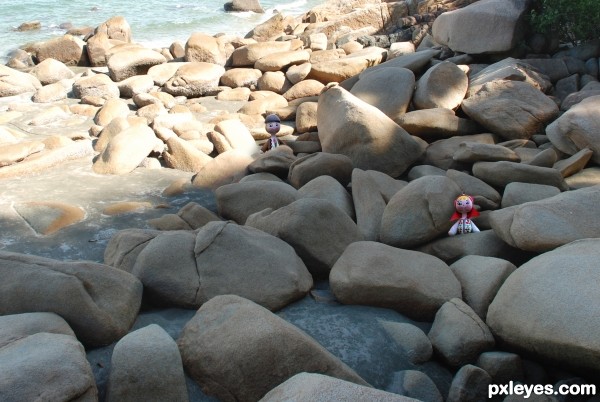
[{"x": 195, "y": 253}]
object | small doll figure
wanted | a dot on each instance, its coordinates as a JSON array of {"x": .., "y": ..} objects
[
  {"x": 272, "y": 125},
  {"x": 465, "y": 211}
]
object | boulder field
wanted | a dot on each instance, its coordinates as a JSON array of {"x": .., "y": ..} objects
[{"x": 321, "y": 269}]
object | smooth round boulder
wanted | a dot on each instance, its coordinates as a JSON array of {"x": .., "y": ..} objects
[
  {"x": 99, "y": 85},
  {"x": 50, "y": 71},
  {"x": 372, "y": 141},
  {"x": 308, "y": 167},
  {"x": 195, "y": 79},
  {"x": 413, "y": 283},
  {"x": 126, "y": 150},
  {"x": 419, "y": 212},
  {"x": 546, "y": 307},
  {"x": 146, "y": 365},
  {"x": 205, "y": 48},
  {"x": 14, "y": 82},
  {"x": 442, "y": 86},
  {"x": 318, "y": 230},
  {"x": 260, "y": 352}
]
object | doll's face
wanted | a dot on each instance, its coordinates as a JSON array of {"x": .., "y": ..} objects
[
  {"x": 272, "y": 127},
  {"x": 463, "y": 204}
]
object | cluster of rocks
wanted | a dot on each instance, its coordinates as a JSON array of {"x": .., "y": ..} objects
[{"x": 379, "y": 143}]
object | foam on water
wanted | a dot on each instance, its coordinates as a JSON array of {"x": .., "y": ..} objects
[{"x": 153, "y": 22}]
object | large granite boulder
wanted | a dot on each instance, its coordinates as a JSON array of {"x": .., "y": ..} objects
[
  {"x": 146, "y": 365},
  {"x": 551, "y": 222},
  {"x": 14, "y": 82},
  {"x": 67, "y": 49},
  {"x": 99, "y": 302},
  {"x": 195, "y": 79},
  {"x": 436, "y": 123},
  {"x": 510, "y": 109},
  {"x": 238, "y": 201},
  {"x": 205, "y": 48},
  {"x": 352, "y": 127},
  {"x": 486, "y": 26},
  {"x": 419, "y": 212},
  {"x": 237, "y": 350},
  {"x": 260, "y": 267},
  {"x": 442, "y": 86},
  {"x": 412, "y": 283},
  {"x": 50, "y": 71},
  {"x": 132, "y": 61},
  {"x": 317, "y": 229},
  {"x": 547, "y": 307},
  {"x": 308, "y": 387},
  {"x": 388, "y": 89},
  {"x": 46, "y": 367},
  {"x": 578, "y": 128}
]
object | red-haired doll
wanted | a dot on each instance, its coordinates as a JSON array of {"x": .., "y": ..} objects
[{"x": 465, "y": 211}]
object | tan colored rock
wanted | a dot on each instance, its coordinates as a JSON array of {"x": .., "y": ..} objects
[
  {"x": 116, "y": 28},
  {"x": 13, "y": 82},
  {"x": 228, "y": 167},
  {"x": 432, "y": 124},
  {"x": 126, "y": 150},
  {"x": 50, "y": 93},
  {"x": 161, "y": 73},
  {"x": 98, "y": 46},
  {"x": 306, "y": 117},
  {"x": 272, "y": 28},
  {"x": 346, "y": 67},
  {"x": 510, "y": 109},
  {"x": 274, "y": 81},
  {"x": 247, "y": 55},
  {"x": 238, "y": 136},
  {"x": 50, "y": 71},
  {"x": 99, "y": 85},
  {"x": 241, "y": 77},
  {"x": 491, "y": 26},
  {"x": 205, "y": 48},
  {"x": 112, "y": 109},
  {"x": 184, "y": 156},
  {"x": 195, "y": 79},
  {"x": 66, "y": 49},
  {"x": 49, "y": 217},
  {"x": 280, "y": 350},
  {"x": 260, "y": 106},
  {"x": 304, "y": 89},
  {"x": 137, "y": 84},
  {"x": 281, "y": 60},
  {"x": 410, "y": 282},
  {"x": 577, "y": 129},
  {"x": 14, "y": 152},
  {"x": 297, "y": 73},
  {"x": 442, "y": 86},
  {"x": 388, "y": 89},
  {"x": 31, "y": 283},
  {"x": 132, "y": 61},
  {"x": 236, "y": 94},
  {"x": 351, "y": 127}
]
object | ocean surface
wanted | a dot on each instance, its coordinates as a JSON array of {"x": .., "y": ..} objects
[{"x": 154, "y": 23}]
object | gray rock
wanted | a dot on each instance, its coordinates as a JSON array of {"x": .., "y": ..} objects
[
  {"x": 458, "y": 335},
  {"x": 490, "y": 26},
  {"x": 318, "y": 230},
  {"x": 237, "y": 201},
  {"x": 419, "y": 171},
  {"x": 470, "y": 384},
  {"x": 577, "y": 129},
  {"x": 441, "y": 153},
  {"x": 329, "y": 189},
  {"x": 419, "y": 212},
  {"x": 368, "y": 204},
  {"x": 146, "y": 365},
  {"x": 503, "y": 367},
  {"x": 411, "y": 340},
  {"x": 485, "y": 195},
  {"x": 551, "y": 222},
  {"x": 18, "y": 326},
  {"x": 481, "y": 278},
  {"x": 586, "y": 178},
  {"x": 548, "y": 302},
  {"x": 46, "y": 366},
  {"x": 99, "y": 302},
  {"x": 511, "y": 69},
  {"x": 238, "y": 350},
  {"x": 474, "y": 152},
  {"x": 517, "y": 193},
  {"x": 306, "y": 168},
  {"x": 437, "y": 123},
  {"x": 485, "y": 243},
  {"x": 387, "y": 185},
  {"x": 370, "y": 273},
  {"x": 124, "y": 247},
  {"x": 307, "y": 387},
  {"x": 574, "y": 164},
  {"x": 500, "y": 174},
  {"x": 415, "y": 384}
]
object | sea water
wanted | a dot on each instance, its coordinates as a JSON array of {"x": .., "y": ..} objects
[{"x": 154, "y": 23}]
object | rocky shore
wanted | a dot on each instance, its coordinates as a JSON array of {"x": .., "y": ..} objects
[{"x": 150, "y": 251}]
